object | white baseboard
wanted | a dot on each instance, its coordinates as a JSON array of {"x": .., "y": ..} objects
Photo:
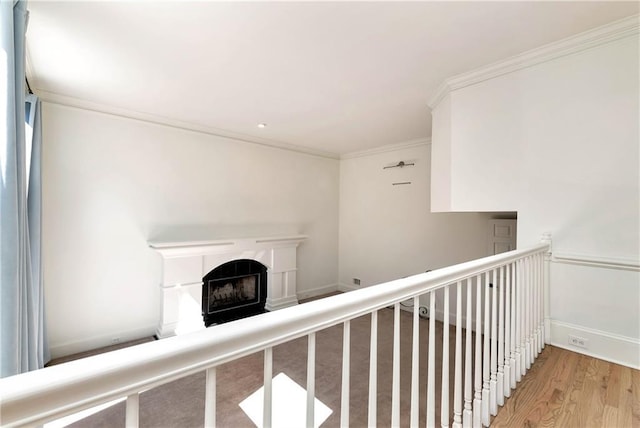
[
  {"x": 318, "y": 291},
  {"x": 347, "y": 287},
  {"x": 59, "y": 350},
  {"x": 281, "y": 303},
  {"x": 605, "y": 346}
]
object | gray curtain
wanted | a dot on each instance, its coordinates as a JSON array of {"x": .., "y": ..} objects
[{"x": 23, "y": 344}]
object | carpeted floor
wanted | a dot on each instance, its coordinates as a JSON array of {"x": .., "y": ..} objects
[{"x": 181, "y": 403}]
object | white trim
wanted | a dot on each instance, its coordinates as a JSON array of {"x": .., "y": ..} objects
[
  {"x": 596, "y": 261},
  {"x": 185, "y": 248},
  {"x": 64, "y": 349},
  {"x": 72, "y": 102},
  {"x": 345, "y": 288},
  {"x": 280, "y": 303},
  {"x": 616, "y": 30},
  {"x": 388, "y": 148},
  {"x": 318, "y": 291},
  {"x": 603, "y": 345}
]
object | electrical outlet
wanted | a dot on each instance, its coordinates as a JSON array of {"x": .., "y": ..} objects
[
  {"x": 580, "y": 342},
  {"x": 356, "y": 281}
]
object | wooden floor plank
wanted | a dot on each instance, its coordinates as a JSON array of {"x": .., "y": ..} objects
[
  {"x": 612, "y": 397},
  {"x": 598, "y": 393},
  {"x": 635, "y": 391},
  {"x": 561, "y": 384},
  {"x": 609, "y": 416},
  {"x": 573, "y": 392},
  {"x": 625, "y": 409},
  {"x": 566, "y": 389}
]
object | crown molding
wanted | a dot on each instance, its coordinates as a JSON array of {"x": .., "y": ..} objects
[
  {"x": 616, "y": 30},
  {"x": 67, "y": 101},
  {"x": 388, "y": 148}
]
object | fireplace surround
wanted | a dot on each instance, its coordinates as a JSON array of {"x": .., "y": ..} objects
[{"x": 184, "y": 266}]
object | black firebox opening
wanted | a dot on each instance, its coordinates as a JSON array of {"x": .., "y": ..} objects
[{"x": 234, "y": 290}]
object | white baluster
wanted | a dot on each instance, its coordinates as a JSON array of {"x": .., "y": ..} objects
[
  {"x": 395, "y": 389},
  {"x": 210, "y": 399},
  {"x": 415, "y": 364},
  {"x": 267, "y": 399},
  {"x": 346, "y": 356},
  {"x": 132, "y": 411},
  {"x": 467, "y": 413},
  {"x": 507, "y": 331},
  {"x": 477, "y": 398},
  {"x": 444, "y": 397},
  {"x": 486, "y": 368},
  {"x": 542, "y": 300},
  {"x": 546, "y": 255},
  {"x": 431, "y": 364},
  {"x": 457, "y": 377},
  {"x": 534, "y": 308},
  {"x": 540, "y": 303},
  {"x": 522, "y": 292},
  {"x": 373, "y": 370},
  {"x": 513, "y": 358},
  {"x": 529, "y": 346},
  {"x": 311, "y": 379},
  {"x": 493, "y": 385},
  {"x": 500, "y": 386}
]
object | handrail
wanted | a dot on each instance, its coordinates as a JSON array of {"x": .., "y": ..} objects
[{"x": 53, "y": 392}]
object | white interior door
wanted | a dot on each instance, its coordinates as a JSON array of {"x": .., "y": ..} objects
[{"x": 502, "y": 236}]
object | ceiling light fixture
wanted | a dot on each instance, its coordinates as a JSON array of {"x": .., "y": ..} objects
[{"x": 262, "y": 125}]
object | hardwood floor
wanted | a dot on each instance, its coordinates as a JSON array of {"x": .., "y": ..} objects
[{"x": 566, "y": 389}]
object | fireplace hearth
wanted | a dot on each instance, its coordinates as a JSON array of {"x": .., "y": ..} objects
[{"x": 234, "y": 290}]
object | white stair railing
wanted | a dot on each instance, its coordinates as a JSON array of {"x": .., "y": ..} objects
[{"x": 498, "y": 302}]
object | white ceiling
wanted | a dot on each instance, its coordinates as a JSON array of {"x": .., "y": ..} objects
[{"x": 334, "y": 77}]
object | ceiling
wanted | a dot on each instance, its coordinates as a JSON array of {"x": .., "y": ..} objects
[{"x": 328, "y": 77}]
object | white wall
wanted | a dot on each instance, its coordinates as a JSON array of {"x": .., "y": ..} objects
[
  {"x": 559, "y": 143},
  {"x": 387, "y": 231},
  {"x": 111, "y": 184}
]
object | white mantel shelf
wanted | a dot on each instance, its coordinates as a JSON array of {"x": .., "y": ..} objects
[
  {"x": 185, "y": 263},
  {"x": 176, "y": 248}
]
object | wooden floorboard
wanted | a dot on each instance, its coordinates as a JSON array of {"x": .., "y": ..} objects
[{"x": 566, "y": 389}]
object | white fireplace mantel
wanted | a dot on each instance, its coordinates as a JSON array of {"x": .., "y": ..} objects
[{"x": 184, "y": 264}]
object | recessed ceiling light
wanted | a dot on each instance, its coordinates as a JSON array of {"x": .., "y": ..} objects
[{"x": 262, "y": 125}]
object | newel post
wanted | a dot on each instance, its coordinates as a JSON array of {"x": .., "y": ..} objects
[{"x": 546, "y": 239}]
